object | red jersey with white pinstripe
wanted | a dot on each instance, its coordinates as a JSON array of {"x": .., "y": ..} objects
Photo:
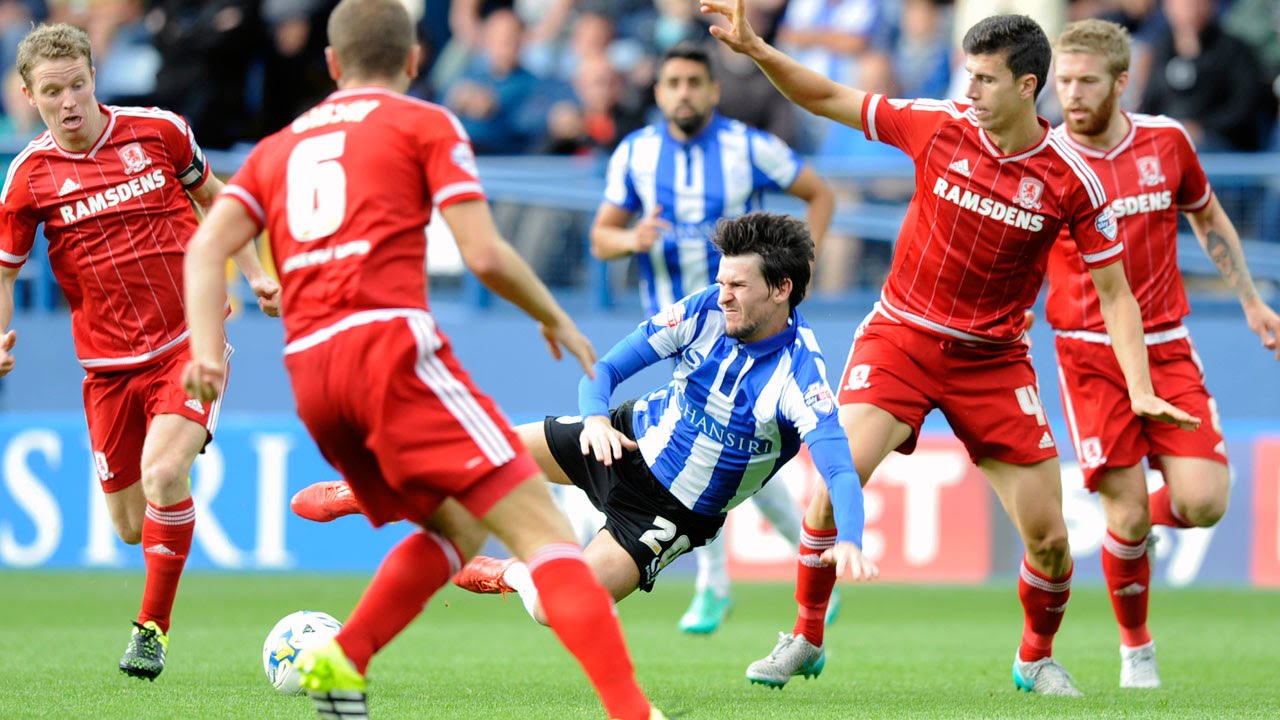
[
  {"x": 1151, "y": 175},
  {"x": 345, "y": 192},
  {"x": 972, "y": 250},
  {"x": 118, "y": 219}
]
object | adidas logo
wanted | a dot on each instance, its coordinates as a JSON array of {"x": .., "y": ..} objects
[
  {"x": 69, "y": 186},
  {"x": 1130, "y": 590},
  {"x": 961, "y": 166},
  {"x": 159, "y": 549},
  {"x": 196, "y": 405},
  {"x": 1057, "y": 608},
  {"x": 1046, "y": 441}
]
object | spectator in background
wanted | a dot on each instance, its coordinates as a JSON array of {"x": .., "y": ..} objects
[
  {"x": 828, "y": 36},
  {"x": 1207, "y": 79},
  {"x": 294, "y": 73},
  {"x": 597, "y": 116},
  {"x": 754, "y": 100},
  {"x": 1145, "y": 24},
  {"x": 128, "y": 61},
  {"x": 921, "y": 54},
  {"x": 206, "y": 50},
  {"x": 20, "y": 120},
  {"x": 493, "y": 96}
]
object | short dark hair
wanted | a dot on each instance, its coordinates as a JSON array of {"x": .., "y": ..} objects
[
  {"x": 688, "y": 51},
  {"x": 782, "y": 242},
  {"x": 1019, "y": 38}
]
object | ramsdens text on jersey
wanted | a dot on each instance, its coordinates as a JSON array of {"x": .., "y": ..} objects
[
  {"x": 111, "y": 197},
  {"x": 1143, "y": 203},
  {"x": 331, "y": 113},
  {"x": 988, "y": 207}
]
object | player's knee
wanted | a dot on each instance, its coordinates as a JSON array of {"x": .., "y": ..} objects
[
  {"x": 1205, "y": 511},
  {"x": 1050, "y": 548},
  {"x": 159, "y": 475},
  {"x": 1129, "y": 521},
  {"x": 129, "y": 534}
]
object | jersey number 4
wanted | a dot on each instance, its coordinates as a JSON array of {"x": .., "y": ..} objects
[
  {"x": 317, "y": 187},
  {"x": 1029, "y": 401}
]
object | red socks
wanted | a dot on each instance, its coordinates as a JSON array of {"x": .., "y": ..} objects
[
  {"x": 814, "y": 582},
  {"x": 166, "y": 541},
  {"x": 1128, "y": 572},
  {"x": 581, "y": 613},
  {"x": 1044, "y": 601},
  {"x": 1162, "y": 510},
  {"x": 410, "y": 574}
]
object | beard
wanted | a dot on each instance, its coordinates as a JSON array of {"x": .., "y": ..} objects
[
  {"x": 691, "y": 125},
  {"x": 1097, "y": 122}
]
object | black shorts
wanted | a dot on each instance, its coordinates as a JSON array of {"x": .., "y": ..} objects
[{"x": 641, "y": 515}]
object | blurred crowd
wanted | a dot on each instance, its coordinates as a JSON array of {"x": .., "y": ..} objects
[{"x": 574, "y": 76}]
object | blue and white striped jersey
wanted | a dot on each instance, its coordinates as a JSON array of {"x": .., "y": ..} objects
[
  {"x": 722, "y": 172},
  {"x": 733, "y": 413}
]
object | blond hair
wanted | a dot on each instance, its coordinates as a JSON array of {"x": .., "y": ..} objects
[
  {"x": 52, "y": 42},
  {"x": 1097, "y": 37},
  {"x": 372, "y": 38}
]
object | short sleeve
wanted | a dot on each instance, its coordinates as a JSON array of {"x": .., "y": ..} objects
[
  {"x": 18, "y": 221},
  {"x": 773, "y": 163},
  {"x": 618, "y": 188},
  {"x": 449, "y": 163},
  {"x": 908, "y": 125},
  {"x": 247, "y": 189},
  {"x": 1093, "y": 222},
  {"x": 189, "y": 164},
  {"x": 1194, "y": 190}
]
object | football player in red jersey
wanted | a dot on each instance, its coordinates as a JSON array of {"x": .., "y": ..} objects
[
  {"x": 993, "y": 189},
  {"x": 113, "y": 188},
  {"x": 1151, "y": 173},
  {"x": 345, "y": 191}
]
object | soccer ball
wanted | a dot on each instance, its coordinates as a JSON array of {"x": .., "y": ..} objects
[{"x": 293, "y": 634}]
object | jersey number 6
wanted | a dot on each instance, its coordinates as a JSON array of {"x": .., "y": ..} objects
[{"x": 317, "y": 185}]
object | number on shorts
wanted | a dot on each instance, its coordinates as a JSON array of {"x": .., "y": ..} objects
[
  {"x": 317, "y": 187},
  {"x": 664, "y": 530},
  {"x": 1029, "y": 401}
]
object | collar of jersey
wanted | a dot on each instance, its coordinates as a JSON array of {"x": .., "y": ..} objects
[{"x": 772, "y": 343}]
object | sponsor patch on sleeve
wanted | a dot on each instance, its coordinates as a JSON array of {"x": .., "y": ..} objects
[
  {"x": 670, "y": 316},
  {"x": 464, "y": 158},
  {"x": 1106, "y": 223},
  {"x": 818, "y": 396}
]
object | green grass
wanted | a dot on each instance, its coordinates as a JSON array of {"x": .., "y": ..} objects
[{"x": 897, "y": 651}]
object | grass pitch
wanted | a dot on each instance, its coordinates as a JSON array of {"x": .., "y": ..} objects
[{"x": 896, "y": 652}]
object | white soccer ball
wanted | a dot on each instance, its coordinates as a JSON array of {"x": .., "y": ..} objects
[{"x": 293, "y": 634}]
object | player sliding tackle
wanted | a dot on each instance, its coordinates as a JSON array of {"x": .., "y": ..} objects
[
  {"x": 994, "y": 188},
  {"x": 749, "y": 386}
]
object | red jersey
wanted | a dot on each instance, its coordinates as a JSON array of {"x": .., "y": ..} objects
[
  {"x": 972, "y": 250},
  {"x": 1152, "y": 174},
  {"x": 118, "y": 220},
  {"x": 345, "y": 193}
]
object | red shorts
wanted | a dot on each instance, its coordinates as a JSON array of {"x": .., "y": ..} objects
[
  {"x": 1104, "y": 429},
  {"x": 988, "y": 393},
  {"x": 392, "y": 410},
  {"x": 119, "y": 405}
]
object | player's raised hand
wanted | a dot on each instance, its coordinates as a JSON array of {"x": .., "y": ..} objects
[
  {"x": 1150, "y": 406},
  {"x": 601, "y": 439},
  {"x": 1265, "y": 323},
  {"x": 649, "y": 230},
  {"x": 203, "y": 380},
  {"x": 268, "y": 292},
  {"x": 850, "y": 561},
  {"x": 739, "y": 36},
  {"x": 566, "y": 333},
  {"x": 7, "y": 341}
]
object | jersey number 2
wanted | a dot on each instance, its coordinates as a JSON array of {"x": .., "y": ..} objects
[{"x": 317, "y": 187}]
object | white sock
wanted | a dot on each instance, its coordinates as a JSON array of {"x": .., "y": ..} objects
[
  {"x": 713, "y": 567},
  {"x": 517, "y": 577},
  {"x": 775, "y": 503}
]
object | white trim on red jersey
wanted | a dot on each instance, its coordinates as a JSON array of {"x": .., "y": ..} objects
[
  {"x": 135, "y": 359},
  {"x": 898, "y": 315},
  {"x": 250, "y": 202},
  {"x": 454, "y": 190},
  {"x": 364, "y": 317},
  {"x": 1151, "y": 338},
  {"x": 43, "y": 141},
  {"x": 1088, "y": 178}
]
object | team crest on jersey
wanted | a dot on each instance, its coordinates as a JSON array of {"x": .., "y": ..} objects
[
  {"x": 100, "y": 464},
  {"x": 670, "y": 316},
  {"x": 1106, "y": 223},
  {"x": 858, "y": 378},
  {"x": 134, "y": 158},
  {"x": 818, "y": 396},
  {"x": 1149, "y": 169},
  {"x": 465, "y": 158},
  {"x": 1091, "y": 453},
  {"x": 1029, "y": 192}
]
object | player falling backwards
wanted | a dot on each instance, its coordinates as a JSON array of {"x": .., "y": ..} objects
[
  {"x": 1149, "y": 169},
  {"x": 993, "y": 189},
  {"x": 113, "y": 187}
]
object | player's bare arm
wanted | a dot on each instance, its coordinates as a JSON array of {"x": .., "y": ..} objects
[
  {"x": 602, "y": 440},
  {"x": 1218, "y": 236},
  {"x": 497, "y": 265},
  {"x": 1124, "y": 326},
  {"x": 263, "y": 285},
  {"x": 808, "y": 89},
  {"x": 612, "y": 237},
  {"x": 8, "y": 276},
  {"x": 820, "y": 203},
  {"x": 227, "y": 229}
]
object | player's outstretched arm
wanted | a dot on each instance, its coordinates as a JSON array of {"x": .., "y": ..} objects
[
  {"x": 226, "y": 229},
  {"x": 8, "y": 276},
  {"x": 497, "y": 265},
  {"x": 1124, "y": 327},
  {"x": 810, "y": 90},
  {"x": 1218, "y": 236}
]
